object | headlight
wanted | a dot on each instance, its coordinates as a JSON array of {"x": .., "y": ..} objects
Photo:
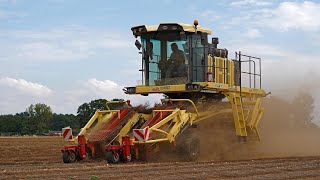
[{"x": 192, "y": 87}]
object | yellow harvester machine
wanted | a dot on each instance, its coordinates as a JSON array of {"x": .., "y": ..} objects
[{"x": 179, "y": 62}]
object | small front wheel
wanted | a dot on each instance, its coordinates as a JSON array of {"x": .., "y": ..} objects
[
  {"x": 69, "y": 156},
  {"x": 129, "y": 158},
  {"x": 112, "y": 157},
  {"x": 89, "y": 153}
]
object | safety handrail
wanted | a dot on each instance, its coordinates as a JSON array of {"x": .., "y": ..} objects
[{"x": 182, "y": 100}]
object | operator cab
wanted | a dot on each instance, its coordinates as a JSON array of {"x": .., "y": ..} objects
[{"x": 174, "y": 53}]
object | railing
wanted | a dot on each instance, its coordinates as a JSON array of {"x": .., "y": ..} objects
[
  {"x": 252, "y": 75},
  {"x": 253, "y": 70}
]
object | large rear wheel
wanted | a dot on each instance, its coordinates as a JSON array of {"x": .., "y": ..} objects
[
  {"x": 188, "y": 146},
  {"x": 192, "y": 151}
]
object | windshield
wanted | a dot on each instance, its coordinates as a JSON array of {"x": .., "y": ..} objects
[
  {"x": 165, "y": 58},
  {"x": 172, "y": 57},
  {"x": 198, "y": 59}
]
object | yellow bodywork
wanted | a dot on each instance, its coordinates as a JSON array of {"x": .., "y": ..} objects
[
  {"x": 168, "y": 128},
  {"x": 221, "y": 79},
  {"x": 245, "y": 106},
  {"x": 221, "y": 84},
  {"x": 245, "y": 102},
  {"x": 186, "y": 28}
]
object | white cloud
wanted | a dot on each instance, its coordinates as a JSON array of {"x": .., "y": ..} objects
[
  {"x": 284, "y": 17},
  {"x": 293, "y": 15},
  {"x": 106, "y": 84},
  {"x": 109, "y": 90},
  {"x": 102, "y": 88},
  {"x": 253, "y": 33},
  {"x": 63, "y": 101},
  {"x": 250, "y": 3},
  {"x": 26, "y": 86},
  {"x": 59, "y": 44}
]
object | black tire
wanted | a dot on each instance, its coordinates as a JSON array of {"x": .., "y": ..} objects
[
  {"x": 188, "y": 146},
  {"x": 129, "y": 158},
  {"x": 123, "y": 158},
  {"x": 69, "y": 156},
  {"x": 112, "y": 158},
  {"x": 133, "y": 154},
  {"x": 65, "y": 157},
  {"x": 89, "y": 153},
  {"x": 193, "y": 148}
]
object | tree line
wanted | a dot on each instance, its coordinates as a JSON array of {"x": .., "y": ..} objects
[{"x": 38, "y": 119}]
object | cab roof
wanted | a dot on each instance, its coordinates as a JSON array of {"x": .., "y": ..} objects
[{"x": 138, "y": 30}]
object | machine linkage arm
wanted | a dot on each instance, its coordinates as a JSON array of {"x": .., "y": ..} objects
[{"x": 169, "y": 127}]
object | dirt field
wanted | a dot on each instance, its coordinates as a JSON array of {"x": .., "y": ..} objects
[
  {"x": 289, "y": 149},
  {"x": 40, "y": 158}
]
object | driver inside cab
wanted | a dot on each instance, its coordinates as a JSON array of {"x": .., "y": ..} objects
[{"x": 175, "y": 66}]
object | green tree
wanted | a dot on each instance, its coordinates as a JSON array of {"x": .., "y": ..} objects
[
  {"x": 86, "y": 110},
  {"x": 24, "y": 118},
  {"x": 10, "y": 124},
  {"x": 39, "y": 115},
  {"x": 59, "y": 121}
]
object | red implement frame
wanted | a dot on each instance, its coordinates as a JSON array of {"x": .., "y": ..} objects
[{"x": 110, "y": 124}]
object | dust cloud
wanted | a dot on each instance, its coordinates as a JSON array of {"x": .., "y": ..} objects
[{"x": 287, "y": 130}]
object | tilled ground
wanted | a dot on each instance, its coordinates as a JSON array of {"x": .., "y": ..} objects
[{"x": 40, "y": 158}]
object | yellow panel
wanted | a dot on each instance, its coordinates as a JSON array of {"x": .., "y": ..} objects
[
  {"x": 210, "y": 63},
  {"x": 230, "y": 73},
  {"x": 186, "y": 27},
  {"x": 219, "y": 70},
  {"x": 160, "y": 89}
]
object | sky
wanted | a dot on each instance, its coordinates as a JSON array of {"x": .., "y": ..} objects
[{"x": 66, "y": 52}]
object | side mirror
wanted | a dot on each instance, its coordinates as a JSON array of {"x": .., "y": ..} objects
[
  {"x": 138, "y": 44},
  {"x": 215, "y": 42}
]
